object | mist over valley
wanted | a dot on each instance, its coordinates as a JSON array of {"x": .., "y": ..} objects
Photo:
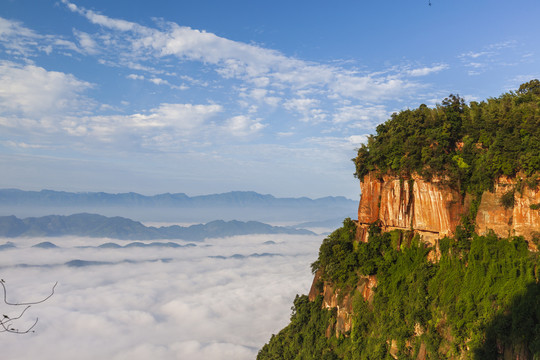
[
  {"x": 210, "y": 290},
  {"x": 217, "y": 299}
]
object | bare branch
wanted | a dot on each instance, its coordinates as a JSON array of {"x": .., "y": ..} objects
[
  {"x": 25, "y": 303},
  {"x": 7, "y": 323}
]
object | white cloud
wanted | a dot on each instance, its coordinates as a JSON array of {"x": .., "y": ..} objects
[
  {"x": 365, "y": 116},
  {"x": 273, "y": 101},
  {"x": 475, "y": 55},
  {"x": 260, "y": 96},
  {"x": 135, "y": 77},
  {"x": 308, "y": 109},
  {"x": 427, "y": 70},
  {"x": 22, "y": 41},
  {"x": 16, "y": 38},
  {"x": 185, "y": 116},
  {"x": 332, "y": 149},
  {"x": 242, "y": 125},
  {"x": 475, "y": 65},
  {"x": 372, "y": 88},
  {"x": 189, "y": 306},
  {"x": 358, "y": 140},
  {"x": 33, "y": 99},
  {"x": 285, "y": 133},
  {"x": 22, "y": 145},
  {"x": 160, "y": 81},
  {"x": 261, "y": 82},
  {"x": 301, "y": 105},
  {"x": 87, "y": 43},
  {"x": 98, "y": 19},
  {"x": 167, "y": 121},
  {"x": 10, "y": 28},
  {"x": 255, "y": 65},
  {"x": 32, "y": 91},
  {"x": 157, "y": 81},
  {"x": 492, "y": 55},
  {"x": 503, "y": 45},
  {"x": 65, "y": 44},
  {"x": 513, "y": 84}
]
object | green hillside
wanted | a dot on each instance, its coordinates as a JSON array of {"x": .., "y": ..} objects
[{"x": 480, "y": 295}]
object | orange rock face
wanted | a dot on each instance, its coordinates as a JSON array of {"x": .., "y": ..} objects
[
  {"x": 434, "y": 210},
  {"x": 332, "y": 298},
  {"x": 431, "y": 208},
  {"x": 491, "y": 214},
  {"x": 343, "y": 304},
  {"x": 518, "y": 220},
  {"x": 370, "y": 199}
]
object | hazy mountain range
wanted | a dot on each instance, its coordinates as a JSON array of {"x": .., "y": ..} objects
[
  {"x": 178, "y": 207},
  {"x": 230, "y": 199},
  {"x": 93, "y": 225}
]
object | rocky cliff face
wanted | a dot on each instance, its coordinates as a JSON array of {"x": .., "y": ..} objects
[
  {"x": 434, "y": 209},
  {"x": 341, "y": 300},
  {"x": 519, "y": 219}
]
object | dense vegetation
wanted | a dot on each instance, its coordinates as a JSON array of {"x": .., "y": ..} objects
[
  {"x": 482, "y": 297},
  {"x": 470, "y": 144}
]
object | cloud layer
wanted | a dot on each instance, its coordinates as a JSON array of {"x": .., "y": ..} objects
[{"x": 184, "y": 303}]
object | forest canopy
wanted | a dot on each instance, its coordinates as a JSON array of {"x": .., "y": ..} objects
[{"x": 469, "y": 144}]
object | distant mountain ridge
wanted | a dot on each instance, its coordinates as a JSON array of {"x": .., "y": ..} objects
[
  {"x": 229, "y": 199},
  {"x": 92, "y": 225}
]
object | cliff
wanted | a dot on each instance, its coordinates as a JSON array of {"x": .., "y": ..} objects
[
  {"x": 433, "y": 209},
  {"x": 429, "y": 210},
  {"x": 439, "y": 263},
  {"x": 429, "y": 207},
  {"x": 341, "y": 300},
  {"x": 519, "y": 218}
]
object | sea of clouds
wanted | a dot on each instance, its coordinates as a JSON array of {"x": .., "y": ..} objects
[{"x": 220, "y": 299}]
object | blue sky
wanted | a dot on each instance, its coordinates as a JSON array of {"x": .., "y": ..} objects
[{"x": 213, "y": 96}]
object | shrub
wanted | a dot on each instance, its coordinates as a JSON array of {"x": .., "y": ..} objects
[{"x": 508, "y": 198}]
